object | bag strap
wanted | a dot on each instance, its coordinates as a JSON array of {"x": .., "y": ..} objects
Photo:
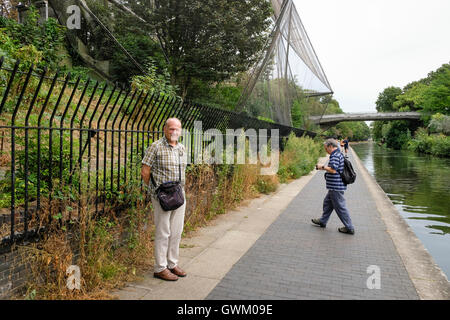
[
  {"x": 179, "y": 166},
  {"x": 153, "y": 180}
]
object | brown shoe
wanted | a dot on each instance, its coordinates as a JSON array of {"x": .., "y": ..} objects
[
  {"x": 166, "y": 275},
  {"x": 178, "y": 271}
]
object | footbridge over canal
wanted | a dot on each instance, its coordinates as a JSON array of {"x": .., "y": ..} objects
[{"x": 330, "y": 120}]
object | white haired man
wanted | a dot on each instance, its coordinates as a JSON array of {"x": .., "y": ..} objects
[
  {"x": 334, "y": 199},
  {"x": 165, "y": 160}
]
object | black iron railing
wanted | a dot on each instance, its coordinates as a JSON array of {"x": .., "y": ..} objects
[{"x": 66, "y": 137}]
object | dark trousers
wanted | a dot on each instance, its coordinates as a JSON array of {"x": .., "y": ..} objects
[{"x": 334, "y": 200}]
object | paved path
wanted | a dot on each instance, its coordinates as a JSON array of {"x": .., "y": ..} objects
[
  {"x": 295, "y": 260},
  {"x": 268, "y": 249}
]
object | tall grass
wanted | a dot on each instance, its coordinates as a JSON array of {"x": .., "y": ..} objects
[
  {"x": 298, "y": 158},
  {"x": 109, "y": 250},
  {"x": 212, "y": 190}
]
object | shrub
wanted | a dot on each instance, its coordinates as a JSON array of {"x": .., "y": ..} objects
[
  {"x": 47, "y": 39},
  {"x": 298, "y": 158},
  {"x": 267, "y": 184},
  {"x": 435, "y": 144},
  {"x": 397, "y": 135},
  {"x": 220, "y": 95},
  {"x": 422, "y": 141},
  {"x": 440, "y": 146},
  {"x": 440, "y": 124},
  {"x": 154, "y": 82}
]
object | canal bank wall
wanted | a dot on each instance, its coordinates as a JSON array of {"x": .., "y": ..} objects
[{"x": 429, "y": 280}]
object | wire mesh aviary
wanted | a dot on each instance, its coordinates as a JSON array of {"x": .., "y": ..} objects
[{"x": 288, "y": 72}]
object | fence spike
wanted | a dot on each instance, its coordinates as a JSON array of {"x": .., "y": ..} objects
[{"x": 8, "y": 87}]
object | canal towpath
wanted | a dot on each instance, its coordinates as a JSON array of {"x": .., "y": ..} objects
[{"x": 270, "y": 250}]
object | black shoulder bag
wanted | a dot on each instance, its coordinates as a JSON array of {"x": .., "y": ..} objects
[
  {"x": 170, "y": 194},
  {"x": 348, "y": 175}
]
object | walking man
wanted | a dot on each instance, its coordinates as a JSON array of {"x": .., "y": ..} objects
[
  {"x": 163, "y": 160},
  {"x": 334, "y": 199},
  {"x": 346, "y": 147}
]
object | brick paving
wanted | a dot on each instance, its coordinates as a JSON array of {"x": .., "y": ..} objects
[{"x": 294, "y": 259}]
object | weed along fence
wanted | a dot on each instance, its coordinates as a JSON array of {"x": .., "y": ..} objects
[{"x": 64, "y": 139}]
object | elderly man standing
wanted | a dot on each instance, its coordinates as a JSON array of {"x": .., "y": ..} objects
[
  {"x": 335, "y": 196},
  {"x": 164, "y": 161}
]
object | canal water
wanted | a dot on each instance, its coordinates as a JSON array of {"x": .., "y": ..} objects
[{"x": 419, "y": 187}]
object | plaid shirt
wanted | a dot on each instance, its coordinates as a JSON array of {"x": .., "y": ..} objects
[{"x": 164, "y": 159}]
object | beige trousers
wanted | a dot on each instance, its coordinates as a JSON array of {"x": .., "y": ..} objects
[{"x": 168, "y": 230}]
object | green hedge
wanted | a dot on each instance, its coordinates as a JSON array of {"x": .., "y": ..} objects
[{"x": 435, "y": 144}]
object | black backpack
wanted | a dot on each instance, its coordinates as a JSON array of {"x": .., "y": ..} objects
[{"x": 348, "y": 175}]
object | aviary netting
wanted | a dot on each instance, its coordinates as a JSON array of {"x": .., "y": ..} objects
[{"x": 288, "y": 73}]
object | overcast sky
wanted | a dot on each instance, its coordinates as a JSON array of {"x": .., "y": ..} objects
[{"x": 365, "y": 46}]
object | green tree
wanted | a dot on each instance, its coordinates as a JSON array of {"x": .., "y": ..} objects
[
  {"x": 153, "y": 82},
  {"x": 386, "y": 99},
  {"x": 134, "y": 35},
  {"x": 398, "y": 134},
  {"x": 429, "y": 95},
  {"x": 411, "y": 99},
  {"x": 360, "y": 131},
  {"x": 297, "y": 115},
  {"x": 377, "y": 130},
  {"x": 143, "y": 49},
  {"x": 355, "y": 131},
  {"x": 210, "y": 40},
  {"x": 436, "y": 97},
  {"x": 394, "y": 99}
]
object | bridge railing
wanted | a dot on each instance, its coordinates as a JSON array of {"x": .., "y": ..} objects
[{"x": 361, "y": 116}]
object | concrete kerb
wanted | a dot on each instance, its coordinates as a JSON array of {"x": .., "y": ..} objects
[
  {"x": 428, "y": 279},
  {"x": 210, "y": 252}
]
